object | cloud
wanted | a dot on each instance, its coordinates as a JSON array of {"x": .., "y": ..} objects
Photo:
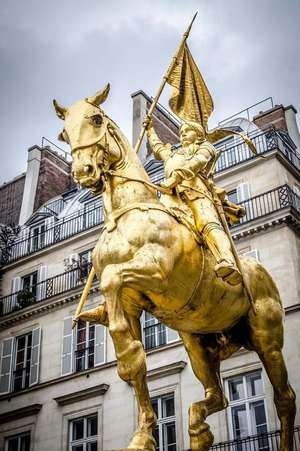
[{"x": 67, "y": 49}]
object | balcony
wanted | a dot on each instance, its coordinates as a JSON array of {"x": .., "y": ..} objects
[
  {"x": 279, "y": 203},
  {"x": 44, "y": 290},
  {"x": 61, "y": 230},
  {"x": 93, "y": 216},
  {"x": 262, "y": 442}
]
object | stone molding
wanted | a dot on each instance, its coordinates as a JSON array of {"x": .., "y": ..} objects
[
  {"x": 16, "y": 414},
  {"x": 166, "y": 370},
  {"x": 87, "y": 393}
]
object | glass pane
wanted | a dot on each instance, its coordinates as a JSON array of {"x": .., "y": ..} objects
[
  {"x": 258, "y": 415},
  {"x": 239, "y": 421},
  {"x": 77, "y": 429},
  {"x": 25, "y": 443},
  {"x": 254, "y": 384},
  {"x": 168, "y": 407},
  {"x": 21, "y": 343},
  {"x": 236, "y": 389},
  {"x": 77, "y": 448},
  {"x": 169, "y": 437},
  {"x": 92, "y": 446},
  {"x": 13, "y": 444},
  {"x": 92, "y": 426},
  {"x": 156, "y": 437}
]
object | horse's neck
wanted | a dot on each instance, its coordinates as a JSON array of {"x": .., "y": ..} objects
[{"x": 121, "y": 192}]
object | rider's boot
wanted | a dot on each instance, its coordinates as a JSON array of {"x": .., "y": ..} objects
[{"x": 220, "y": 246}]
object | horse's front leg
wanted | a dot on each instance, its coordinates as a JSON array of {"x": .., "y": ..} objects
[{"x": 126, "y": 336}]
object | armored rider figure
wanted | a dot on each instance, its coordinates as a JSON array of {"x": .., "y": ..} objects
[{"x": 188, "y": 171}]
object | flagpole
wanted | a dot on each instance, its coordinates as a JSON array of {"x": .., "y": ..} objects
[{"x": 163, "y": 83}]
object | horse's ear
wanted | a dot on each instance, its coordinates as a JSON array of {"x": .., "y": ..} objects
[
  {"x": 60, "y": 110},
  {"x": 100, "y": 96}
]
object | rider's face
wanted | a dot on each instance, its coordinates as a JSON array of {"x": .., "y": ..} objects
[{"x": 187, "y": 135}]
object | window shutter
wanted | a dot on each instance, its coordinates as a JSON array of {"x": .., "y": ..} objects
[
  {"x": 100, "y": 344},
  {"x": 41, "y": 288},
  {"x": 243, "y": 194},
  {"x": 15, "y": 287},
  {"x": 35, "y": 356},
  {"x": 49, "y": 230},
  {"x": 172, "y": 335},
  {"x": 243, "y": 191},
  {"x": 6, "y": 365},
  {"x": 67, "y": 347}
]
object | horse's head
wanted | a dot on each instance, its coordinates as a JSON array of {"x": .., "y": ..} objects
[{"x": 88, "y": 131}]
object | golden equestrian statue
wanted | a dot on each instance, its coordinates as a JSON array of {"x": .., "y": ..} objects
[{"x": 149, "y": 258}]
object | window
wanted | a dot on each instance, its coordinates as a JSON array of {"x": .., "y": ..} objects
[
  {"x": 19, "y": 442},
  {"x": 83, "y": 434},
  {"x": 84, "y": 263},
  {"x": 247, "y": 413},
  {"x": 165, "y": 431},
  {"x": 83, "y": 347},
  {"x": 37, "y": 237},
  {"x": 20, "y": 361},
  {"x": 28, "y": 284},
  {"x": 157, "y": 334}
]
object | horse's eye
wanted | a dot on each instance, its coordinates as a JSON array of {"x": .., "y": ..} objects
[{"x": 96, "y": 119}]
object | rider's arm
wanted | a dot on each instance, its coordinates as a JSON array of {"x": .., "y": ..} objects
[
  {"x": 161, "y": 151},
  {"x": 198, "y": 162}
]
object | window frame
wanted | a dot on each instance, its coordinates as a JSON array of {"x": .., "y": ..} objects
[
  {"x": 37, "y": 241},
  {"x": 247, "y": 401},
  {"x": 18, "y": 436},
  {"x": 159, "y": 329},
  {"x": 162, "y": 421},
  {"x": 88, "y": 327},
  {"x": 85, "y": 440},
  {"x": 73, "y": 412},
  {"x": 15, "y": 352},
  {"x": 32, "y": 287}
]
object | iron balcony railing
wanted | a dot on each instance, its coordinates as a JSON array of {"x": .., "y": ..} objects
[
  {"x": 61, "y": 230},
  {"x": 93, "y": 215},
  {"x": 45, "y": 289},
  {"x": 270, "y": 202},
  {"x": 234, "y": 154},
  {"x": 262, "y": 442}
]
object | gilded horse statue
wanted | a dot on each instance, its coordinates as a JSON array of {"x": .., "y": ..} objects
[{"x": 146, "y": 260}]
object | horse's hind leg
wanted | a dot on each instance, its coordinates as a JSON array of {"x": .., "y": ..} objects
[
  {"x": 205, "y": 363},
  {"x": 266, "y": 337}
]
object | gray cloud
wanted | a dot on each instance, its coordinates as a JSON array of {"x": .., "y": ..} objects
[{"x": 67, "y": 49}]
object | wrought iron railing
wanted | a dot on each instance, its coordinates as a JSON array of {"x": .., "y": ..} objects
[
  {"x": 93, "y": 216},
  {"x": 46, "y": 289},
  {"x": 270, "y": 202},
  {"x": 61, "y": 230},
  {"x": 262, "y": 442}
]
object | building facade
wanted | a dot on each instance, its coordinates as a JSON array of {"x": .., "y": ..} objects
[{"x": 59, "y": 387}]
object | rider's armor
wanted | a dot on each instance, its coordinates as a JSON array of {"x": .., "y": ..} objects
[{"x": 192, "y": 166}]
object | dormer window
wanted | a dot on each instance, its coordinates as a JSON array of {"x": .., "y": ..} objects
[{"x": 37, "y": 237}]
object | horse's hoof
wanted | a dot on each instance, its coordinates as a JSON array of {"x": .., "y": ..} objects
[
  {"x": 201, "y": 440},
  {"x": 142, "y": 441}
]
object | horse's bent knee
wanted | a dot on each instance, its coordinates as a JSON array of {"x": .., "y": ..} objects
[{"x": 131, "y": 361}]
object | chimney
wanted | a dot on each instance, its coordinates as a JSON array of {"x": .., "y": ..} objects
[
  {"x": 164, "y": 123},
  {"x": 31, "y": 182},
  {"x": 292, "y": 126},
  {"x": 48, "y": 175},
  {"x": 139, "y": 111}
]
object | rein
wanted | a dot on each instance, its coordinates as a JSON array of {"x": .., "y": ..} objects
[{"x": 145, "y": 182}]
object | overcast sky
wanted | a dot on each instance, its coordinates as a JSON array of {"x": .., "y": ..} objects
[{"x": 68, "y": 49}]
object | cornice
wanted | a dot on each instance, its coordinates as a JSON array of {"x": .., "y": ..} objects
[
  {"x": 86, "y": 393},
  {"x": 32, "y": 409}
]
